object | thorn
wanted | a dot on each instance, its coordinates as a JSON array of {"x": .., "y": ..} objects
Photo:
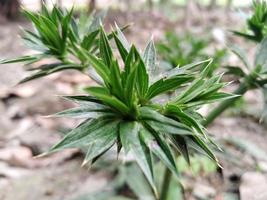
[
  {"x": 48, "y": 116},
  {"x": 41, "y": 155},
  {"x": 116, "y": 25},
  {"x": 85, "y": 162}
]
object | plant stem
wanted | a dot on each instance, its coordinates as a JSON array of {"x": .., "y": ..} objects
[
  {"x": 242, "y": 89},
  {"x": 166, "y": 184}
]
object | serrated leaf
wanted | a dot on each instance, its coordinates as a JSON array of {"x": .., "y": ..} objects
[
  {"x": 48, "y": 71},
  {"x": 115, "y": 79},
  {"x": 129, "y": 88},
  {"x": 89, "y": 39},
  {"x": 103, "y": 95},
  {"x": 122, "y": 49},
  {"x": 168, "y": 129},
  {"x": 17, "y": 60},
  {"x": 150, "y": 57},
  {"x": 122, "y": 38},
  {"x": 191, "y": 92},
  {"x": 83, "y": 99},
  {"x": 165, "y": 85},
  {"x": 219, "y": 96},
  {"x": 237, "y": 71},
  {"x": 130, "y": 139},
  {"x": 85, "y": 134},
  {"x": 180, "y": 144},
  {"x": 105, "y": 49},
  {"x": 197, "y": 142},
  {"x": 86, "y": 110},
  {"x": 184, "y": 69},
  {"x": 134, "y": 178},
  {"x": 185, "y": 118},
  {"x": 97, "y": 21},
  {"x": 159, "y": 147},
  {"x": 247, "y": 36},
  {"x": 142, "y": 79},
  {"x": 160, "y": 121},
  {"x": 101, "y": 144},
  {"x": 99, "y": 66}
]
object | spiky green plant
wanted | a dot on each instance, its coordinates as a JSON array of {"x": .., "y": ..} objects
[
  {"x": 123, "y": 110},
  {"x": 58, "y": 36},
  {"x": 256, "y": 23},
  {"x": 252, "y": 75}
]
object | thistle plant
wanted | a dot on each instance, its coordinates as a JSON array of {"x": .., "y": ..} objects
[{"x": 125, "y": 109}]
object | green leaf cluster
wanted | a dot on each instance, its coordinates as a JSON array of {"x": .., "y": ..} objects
[
  {"x": 58, "y": 35},
  {"x": 123, "y": 110},
  {"x": 256, "y": 23},
  {"x": 126, "y": 108}
]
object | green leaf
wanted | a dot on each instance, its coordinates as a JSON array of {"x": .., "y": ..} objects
[
  {"x": 101, "y": 144},
  {"x": 150, "y": 57},
  {"x": 54, "y": 68},
  {"x": 130, "y": 86},
  {"x": 85, "y": 134},
  {"x": 105, "y": 49},
  {"x": 122, "y": 38},
  {"x": 165, "y": 85},
  {"x": 115, "y": 80},
  {"x": 121, "y": 42},
  {"x": 185, "y": 69},
  {"x": 130, "y": 61},
  {"x": 142, "y": 79},
  {"x": 207, "y": 69},
  {"x": 237, "y": 71},
  {"x": 191, "y": 92},
  {"x": 99, "y": 66},
  {"x": 180, "y": 144},
  {"x": 134, "y": 178},
  {"x": 103, "y": 95},
  {"x": 163, "y": 123},
  {"x": 219, "y": 96},
  {"x": 82, "y": 99},
  {"x": 185, "y": 118},
  {"x": 86, "y": 110},
  {"x": 20, "y": 59},
  {"x": 247, "y": 36},
  {"x": 160, "y": 148},
  {"x": 65, "y": 25},
  {"x": 197, "y": 141},
  {"x": 130, "y": 139},
  {"x": 89, "y": 39},
  {"x": 168, "y": 129},
  {"x": 122, "y": 49}
]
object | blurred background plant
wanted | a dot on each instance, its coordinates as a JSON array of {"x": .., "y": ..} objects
[{"x": 177, "y": 50}]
